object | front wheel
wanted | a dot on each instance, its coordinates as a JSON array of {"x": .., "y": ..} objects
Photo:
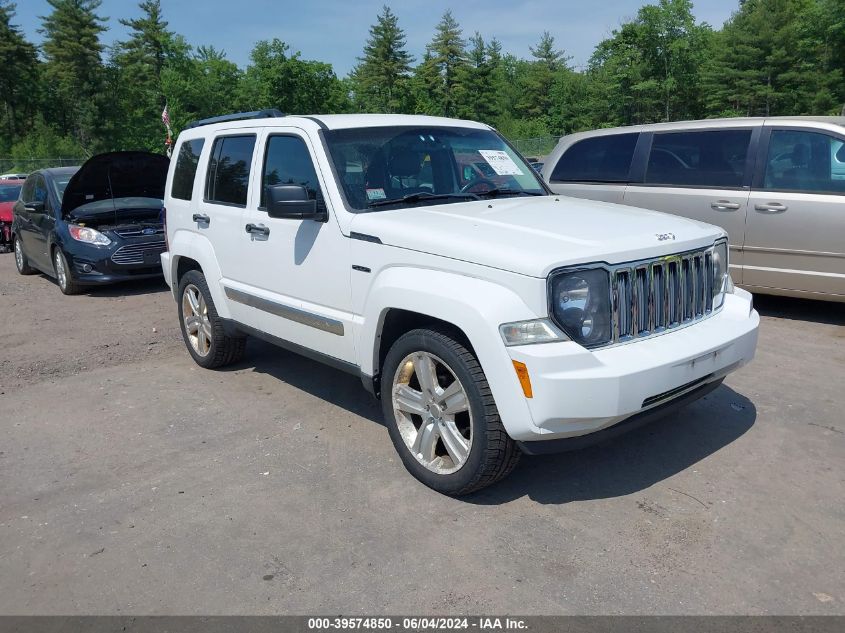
[
  {"x": 66, "y": 282},
  {"x": 441, "y": 414}
]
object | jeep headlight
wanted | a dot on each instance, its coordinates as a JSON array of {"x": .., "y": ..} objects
[
  {"x": 721, "y": 274},
  {"x": 580, "y": 305}
]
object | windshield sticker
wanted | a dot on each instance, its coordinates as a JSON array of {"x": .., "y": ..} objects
[
  {"x": 501, "y": 163},
  {"x": 376, "y": 194}
]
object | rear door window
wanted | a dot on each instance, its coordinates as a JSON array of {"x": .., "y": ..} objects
[
  {"x": 227, "y": 181},
  {"x": 712, "y": 158},
  {"x": 598, "y": 159},
  {"x": 186, "y": 169},
  {"x": 805, "y": 161}
]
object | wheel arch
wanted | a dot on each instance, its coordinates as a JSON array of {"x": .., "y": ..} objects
[
  {"x": 403, "y": 299},
  {"x": 189, "y": 251}
]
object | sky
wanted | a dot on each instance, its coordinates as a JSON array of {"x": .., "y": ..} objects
[{"x": 335, "y": 31}]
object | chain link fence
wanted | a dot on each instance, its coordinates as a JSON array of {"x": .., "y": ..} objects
[
  {"x": 29, "y": 165},
  {"x": 535, "y": 147}
]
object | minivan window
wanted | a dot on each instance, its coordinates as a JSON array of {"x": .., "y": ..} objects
[
  {"x": 287, "y": 161},
  {"x": 40, "y": 194},
  {"x": 186, "y": 169},
  {"x": 805, "y": 161},
  {"x": 597, "y": 159},
  {"x": 228, "y": 170},
  {"x": 707, "y": 158}
]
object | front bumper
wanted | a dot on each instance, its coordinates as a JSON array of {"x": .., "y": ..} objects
[{"x": 578, "y": 392}]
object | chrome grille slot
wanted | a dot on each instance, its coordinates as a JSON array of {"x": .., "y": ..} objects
[
  {"x": 622, "y": 312},
  {"x": 642, "y": 297},
  {"x": 664, "y": 293},
  {"x": 658, "y": 300},
  {"x": 138, "y": 253}
]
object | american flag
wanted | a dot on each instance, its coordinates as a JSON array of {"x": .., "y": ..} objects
[{"x": 165, "y": 118}]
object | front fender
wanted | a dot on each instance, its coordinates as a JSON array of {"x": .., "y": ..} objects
[
  {"x": 198, "y": 247},
  {"x": 475, "y": 306}
]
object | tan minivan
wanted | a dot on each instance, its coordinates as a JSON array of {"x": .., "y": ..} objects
[{"x": 776, "y": 185}]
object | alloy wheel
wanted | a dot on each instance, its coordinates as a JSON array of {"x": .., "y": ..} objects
[
  {"x": 18, "y": 254},
  {"x": 196, "y": 322},
  {"x": 432, "y": 412},
  {"x": 61, "y": 273}
]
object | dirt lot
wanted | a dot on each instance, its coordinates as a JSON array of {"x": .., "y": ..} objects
[{"x": 132, "y": 481}]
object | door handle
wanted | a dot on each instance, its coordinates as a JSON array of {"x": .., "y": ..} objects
[
  {"x": 257, "y": 229},
  {"x": 724, "y": 205},
  {"x": 202, "y": 218},
  {"x": 771, "y": 207}
]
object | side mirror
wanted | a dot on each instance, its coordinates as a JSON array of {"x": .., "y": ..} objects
[
  {"x": 292, "y": 202},
  {"x": 36, "y": 206}
]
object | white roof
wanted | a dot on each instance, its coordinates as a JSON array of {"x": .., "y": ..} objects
[{"x": 335, "y": 122}]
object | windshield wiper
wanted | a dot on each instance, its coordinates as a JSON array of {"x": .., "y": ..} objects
[
  {"x": 423, "y": 196},
  {"x": 509, "y": 192}
]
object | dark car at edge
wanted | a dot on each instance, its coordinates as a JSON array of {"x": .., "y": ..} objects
[{"x": 96, "y": 224}]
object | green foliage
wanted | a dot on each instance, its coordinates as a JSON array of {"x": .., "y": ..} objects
[
  {"x": 381, "y": 80},
  {"x": 447, "y": 54},
  {"x": 18, "y": 73},
  {"x": 278, "y": 79},
  {"x": 771, "y": 57}
]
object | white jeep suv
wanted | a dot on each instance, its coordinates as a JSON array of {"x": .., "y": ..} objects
[{"x": 425, "y": 255}]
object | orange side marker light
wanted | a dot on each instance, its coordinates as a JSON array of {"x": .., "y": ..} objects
[{"x": 524, "y": 378}]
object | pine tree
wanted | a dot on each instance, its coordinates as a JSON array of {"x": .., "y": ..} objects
[
  {"x": 476, "y": 94},
  {"x": 140, "y": 63},
  {"x": 538, "y": 78},
  {"x": 74, "y": 71},
  {"x": 18, "y": 78},
  {"x": 380, "y": 80},
  {"x": 448, "y": 53}
]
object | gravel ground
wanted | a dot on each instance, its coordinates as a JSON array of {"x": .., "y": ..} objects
[{"x": 132, "y": 481}]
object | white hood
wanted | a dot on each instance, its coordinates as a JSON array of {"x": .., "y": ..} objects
[{"x": 533, "y": 236}]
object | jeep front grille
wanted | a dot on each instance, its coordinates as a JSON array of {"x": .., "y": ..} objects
[
  {"x": 139, "y": 253},
  {"x": 655, "y": 295}
]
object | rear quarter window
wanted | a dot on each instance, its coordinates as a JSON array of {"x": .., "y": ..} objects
[
  {"x": 598, "y": 159},
  {"x": 186, "y": 169}
]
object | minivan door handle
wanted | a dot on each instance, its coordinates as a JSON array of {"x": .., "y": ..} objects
[
  {"x": 724, "y": 205},
  {"x": 257, "y": 229},
  {"x": 771, "y": 207},
  {"x": 201, "y": 218}
]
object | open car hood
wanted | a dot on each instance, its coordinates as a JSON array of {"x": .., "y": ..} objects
[{"x": 107, "y": 179}]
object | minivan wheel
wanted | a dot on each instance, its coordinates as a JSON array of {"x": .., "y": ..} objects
[
  {"x": 21, "y": 262},
  {"x": 63, "y": 275},
  {"x": 441, "y": 414},
  {"x": 202, "y": 329}
]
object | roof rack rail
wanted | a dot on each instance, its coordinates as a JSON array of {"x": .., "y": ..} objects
[{"x": 237, "y": 116}]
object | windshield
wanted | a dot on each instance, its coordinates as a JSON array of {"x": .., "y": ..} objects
[
  {"x": 60, "y": 182},
  {"x": 9, "y": 193},
  {"x": 398, "y": 166}
]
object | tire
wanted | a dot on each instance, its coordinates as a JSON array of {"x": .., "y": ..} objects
[
  {"x": 21, "y": 262},
  {"x": 208, "y": 345},
  {"x": 431, "y": 448},
  {"x": 64, "y": 277}
]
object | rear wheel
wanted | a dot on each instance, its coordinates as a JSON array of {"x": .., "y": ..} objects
[
  {"x": 21, "y": 262},
  {"x": 202, "y": 329},
  {"x": 66, "y": 282},
  {"x": 441, "y": 414}
]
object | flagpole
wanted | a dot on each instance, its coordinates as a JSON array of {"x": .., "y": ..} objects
[{"x": 168, "y": 143}]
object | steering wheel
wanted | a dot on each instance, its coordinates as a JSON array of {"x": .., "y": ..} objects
[{"x": 472, "y": 184}]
